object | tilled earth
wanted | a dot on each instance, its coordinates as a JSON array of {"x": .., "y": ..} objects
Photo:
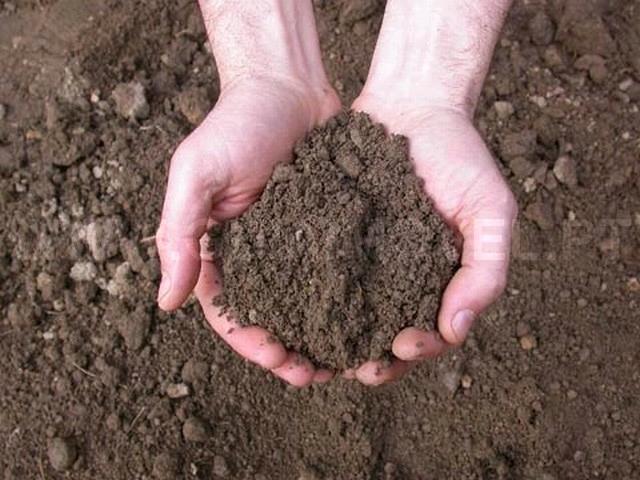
[{"x": 97, "y": 383}]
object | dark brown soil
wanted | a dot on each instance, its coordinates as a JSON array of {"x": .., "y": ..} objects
[
  {"x": 547, "y": 386},
  {"x": 342, "y": 250}
]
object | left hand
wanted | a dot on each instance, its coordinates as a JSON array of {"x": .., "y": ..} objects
[{"x": 467, "y": 189}]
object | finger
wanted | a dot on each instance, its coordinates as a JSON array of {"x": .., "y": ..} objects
[
  {"x": 415, "y": 344},
  {"x": 296, "y": 370},
  {"x": 253, "y": 343},
  {"x": 376, "y": 373},
  {"x": 483, "y": 275},
  {"x": 323, "y": 376},
  {"x": 186, "y": 210}
]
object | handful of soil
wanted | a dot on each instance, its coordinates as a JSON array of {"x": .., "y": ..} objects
[{"x": 342, "y": 251}]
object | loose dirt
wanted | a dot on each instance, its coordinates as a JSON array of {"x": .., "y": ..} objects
[
  {"x": 547, "y": 385},
  {"x": 342, "y": 250}
]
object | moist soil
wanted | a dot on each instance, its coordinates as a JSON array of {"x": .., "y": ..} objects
[
  {"x": 342, "y": 250},
  {"x": 96, "y": 382}
]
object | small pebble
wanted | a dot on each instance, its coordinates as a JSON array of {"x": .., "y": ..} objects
[
  {"x": 177, "y": 390},
  {"x": 113, "y": 422},
  {"x": 582, "y": 302},
  {"x": 451, "y": 380},
  {"x": 528, "y": 342},
  {"x": 625, "y": 84},
  {"x": 503, "y": 109},
  {"x": 220, "y": 467},
  {"x": 194, "y": 430},
  {"x": 466, "y": 381},
  {"x": 633, "y": 284},
  {"x": 62, "y": 453},
  {"x": 541, "y": 29},
  {"x": 572, "y": 394},
  {"x": 83, "y": 272},
  {"x": 131, "y": 101},
  {"x": 565, "y": 171},
  {"x": 529, "y": 185},
  {"x": 521, "y": 167}
]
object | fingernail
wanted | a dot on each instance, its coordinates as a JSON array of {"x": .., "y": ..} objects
[
  {"x": 461, "y": 323},
  {"x": 165, "y": 286}
]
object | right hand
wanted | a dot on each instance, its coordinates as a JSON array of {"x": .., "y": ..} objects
[{"x": 216, "y": 174}]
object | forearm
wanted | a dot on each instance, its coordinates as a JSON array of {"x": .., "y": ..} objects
[
  {"x": 264, "y": 38},
  {"x": 436, "y": 51}
]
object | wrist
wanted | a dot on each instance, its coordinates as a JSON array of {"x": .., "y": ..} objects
[
  {"x": 274, "y": 39},
  {"x": 435, "y": 54}
]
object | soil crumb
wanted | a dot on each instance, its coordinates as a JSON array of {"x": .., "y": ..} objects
[{"x": 343, "y": 249}]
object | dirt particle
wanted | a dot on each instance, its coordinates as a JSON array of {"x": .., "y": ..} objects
[
  {"x": 522, "y": 329},
  {"x": 20, "y": 315},
  {"x": 553, "y": 57},
  {"x": 131, "y": 101},
  {"x": 572, "y": 394},
  {"x": 390, "y": 470},
  {"x": 177, "y": 390},
  {"x": 518, "y": 144},
  {"x": 3, "y": 112},
  {"x": 131, "y": 253},
  {"x": 634, "y": 92},
  {"x": 134, "y": 328},
  {"x": 356, "y": 10},
  {"x": 466, "y": 381},
  {"x": 62, "y": 453},
  {"x": 220, "y": 467},
  {"x": 166, "y": 466},
  {"x": 45, "y": 284},
  {"x": 194, "y": 104},
  {"x": 83, "y": 272},
  {"x": 541, "y": 213},
  {"x": 595, "y": 65},
  {"x": 308, "y": 473},
  {"x": 103, "y": 237},
  {"x": 521, "y": 167},
  {"x": 633, "y": 285},
  {"x": 565, "y": 171},
  {"x": 113, "y": 422},
  {"x": 625, "y": 84},
  {"x": 451, "y": 380},
  {"x": 503, "y": 109},
  {"x": 350, "y": 164},
  {"x": 121, "y": 281},
  {"x": 194, "y": 371},
  {"x": 528, "y": 342},
  {"x": 195, "y": 430},
  {"x": 541, "y": 29}
]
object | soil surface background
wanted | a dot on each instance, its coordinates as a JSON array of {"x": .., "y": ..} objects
[
  {"x": 342, "y": 250},
  {"x": 95, "y": 382}
]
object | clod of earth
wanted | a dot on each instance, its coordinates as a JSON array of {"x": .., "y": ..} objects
[
  {"x": 62, "y": 453},
  {"x": 342, "y": 251}
]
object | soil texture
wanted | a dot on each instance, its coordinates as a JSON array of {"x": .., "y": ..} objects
[
  {"x": 342, "y": 250},
  {"x": 96, "y": 382}
]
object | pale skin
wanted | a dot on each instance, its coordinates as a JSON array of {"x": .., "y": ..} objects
[{"x": 425, "y": 79}]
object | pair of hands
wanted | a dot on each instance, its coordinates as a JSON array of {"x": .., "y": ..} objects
[{"x": 222, "y": 167}]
